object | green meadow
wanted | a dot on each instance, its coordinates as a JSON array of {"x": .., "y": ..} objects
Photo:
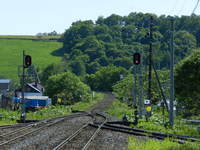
[{"x": 11, "y": 51}]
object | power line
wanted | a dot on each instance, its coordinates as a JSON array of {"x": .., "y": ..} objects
[
  {"x": 182, "y": 7},
  {"x": 195, "y": 7},
  {"x": 174, "y": 6}
]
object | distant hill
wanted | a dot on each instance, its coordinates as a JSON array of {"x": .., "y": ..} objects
[
  {"x": 30, "y": 37},
  {"x": 42, "y": 53}
]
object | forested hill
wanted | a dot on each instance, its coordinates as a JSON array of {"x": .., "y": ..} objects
[{"x": 112, "y": 40}]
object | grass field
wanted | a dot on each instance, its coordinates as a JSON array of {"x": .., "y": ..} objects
[
  {"x": 167, "y": 144},
  {"x": 155, "y": 123},
  {"x": 180, "y": 128},
  {"x": 11, "y": 55}
]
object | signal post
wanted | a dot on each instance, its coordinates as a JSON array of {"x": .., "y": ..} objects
[
  {"x": 136, "y": 62},
  {"x": 26, "y": 63}
]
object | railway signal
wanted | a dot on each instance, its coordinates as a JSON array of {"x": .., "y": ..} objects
[
  {"x": 27, "y": 61},
  {"x": 136, "y": 58}
]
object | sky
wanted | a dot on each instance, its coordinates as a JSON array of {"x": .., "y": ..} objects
[{"x": 29, "y": 17}]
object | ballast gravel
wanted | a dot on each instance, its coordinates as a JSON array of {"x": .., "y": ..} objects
[{"x": 51, "y": 136}]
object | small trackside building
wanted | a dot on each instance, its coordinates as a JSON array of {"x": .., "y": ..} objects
[{"x": 4, "y": 85}]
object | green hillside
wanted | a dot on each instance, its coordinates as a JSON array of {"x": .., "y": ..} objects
[{"x": 11, "y": 55}]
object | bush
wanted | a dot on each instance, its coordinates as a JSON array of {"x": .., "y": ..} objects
[{"x": 67, "y": 87}]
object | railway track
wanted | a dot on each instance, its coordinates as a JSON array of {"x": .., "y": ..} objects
[
  {"x": 150, "y": 134},
  {"x": 62, "y": 133},
  {"x": 13, "y": 126},
  {"x": 72, "y": 137},
  {"x": 23, "y": 132}
]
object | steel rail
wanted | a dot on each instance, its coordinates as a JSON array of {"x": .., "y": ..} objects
[
  {"x": 26, "y": 124},
  {"x": 95, "y": 133},
  {"x": 14, "y": 126},
  {"x": 17, "y": 131},
  {"x": 28, "y": 133},
  {"x": 60, "y": 146},
  {"x": 123, "y": 130},
  {"x": 44, "y": 126},
  {"x": 164, "y": 135},
  {"x": 36, "y": 124},
  {"x": 140, "y": 132},
  {"x": 72, "y": 136}
]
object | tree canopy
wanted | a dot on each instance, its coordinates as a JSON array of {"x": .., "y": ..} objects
[
  {"x": 105, "y": 78},
  {"x": 114, "y": 39},
  {"x": 187, "y": 81},
  {"x": 99, "y": 51},
  {"x": 124, "y": 88}
]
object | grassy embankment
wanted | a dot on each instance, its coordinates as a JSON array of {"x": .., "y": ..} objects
[
  {"x": 136, "y": 144},
  {"x": 11, "y": 54},
  {"x": 155, "y": 124},
  {"x": 10, "y": 117}
]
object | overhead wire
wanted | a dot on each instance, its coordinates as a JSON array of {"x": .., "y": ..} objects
[
  {"x": 174, "y": 7},
  {"x": 197, "y": 4},
  {"x": 181, "y": 10},
  {"x": 182, "y": 7}
]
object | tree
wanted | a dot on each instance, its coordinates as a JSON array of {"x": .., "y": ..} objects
[
  {"x": 101, "y": 29},
  {"x": 123, "y": 89},
  {"x": 128, "y": 33},
  {"x": 50, "y": 70},
  {"x": 113, "y": 20},
  {"x": 104, "y": 37},
  {"x": 105, "y": 78},
  {"x": 78, "y": 67},
  {"x": 125, "y": 62},
  {"x": 109, "y": 40},
  {"x": 67, "y": 87},
  {"x": 184, "y": 43},
  {"x": 76, "y": 32},
  {"x": 89, "y": 42},
  {"x": 92, "y": 67},
  {"x": 187, "y": 83},
  {"x": 53, "y": 33},
  {"x": 100, "y": 20}
]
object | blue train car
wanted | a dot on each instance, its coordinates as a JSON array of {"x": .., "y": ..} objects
[
  {"x": 37, "y": 102},
  {"x": 34, "y": 102}
]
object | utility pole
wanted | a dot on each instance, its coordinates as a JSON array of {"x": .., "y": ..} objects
[
  {"x": 150, "y": 58},
  {"x": 171, "y": 114},
  {"x": 23, "y": 111},
  {"x": 140, "y": 99},
  {"x": 134, "y": 86}
]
